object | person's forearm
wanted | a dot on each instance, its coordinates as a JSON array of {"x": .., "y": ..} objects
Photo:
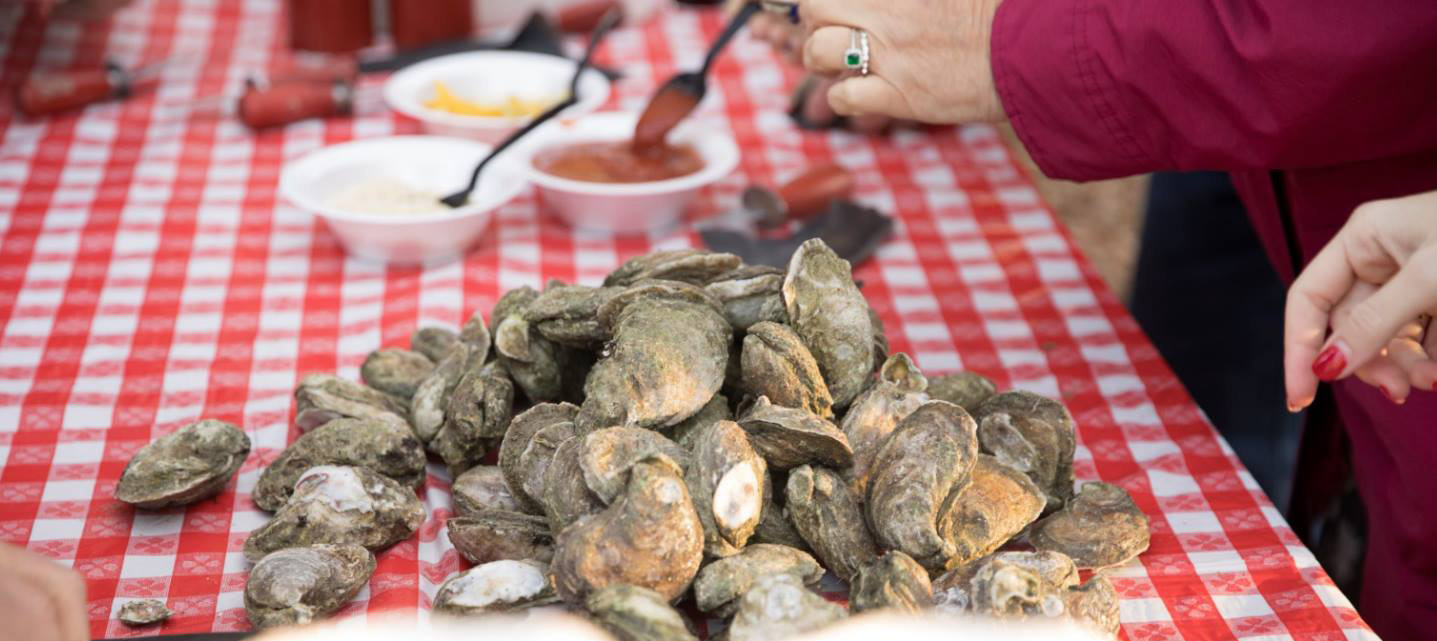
[{"x": 1104, "y": 88}]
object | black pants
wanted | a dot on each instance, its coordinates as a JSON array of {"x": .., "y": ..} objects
[{"x": 1212, "y": 304}]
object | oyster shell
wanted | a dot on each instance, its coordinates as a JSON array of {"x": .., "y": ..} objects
[
  {"x": 893, "y": 581},
  {"x": 1095, "y": 604},
  {"x": 750, "y": 294},
  {"x": 321, "y": 398},
  {"x": 482, "y": 488},
  {"x": 1006, "y": 590},
  {"x": 496, "y": 586},
  {"x": 493, "y": 535},
  {"x": 303, "y": 584},
  {"x": 192, "y": 463},
  {"x": 773, "y": 526},
  {"x": 1099, "y": 527},
  {"x": 788, "y": 437},
  {"x": 898, "y": 391},
  {"x": 477, "y": 415},
  {"x": 826, "y": 309},
  {"x": 340, "y": 504},
  {"x": 726, "y": 480},
  {"x": 828, "y": 517},
  {"x": 778, "y": 607},
  {"x": 967, "y": 390},
  {"x": 381, "y": 447},
  {"x": 929, "y": 456},
  {"x": 431, "y": 397},
  {"x": 143, "y": 612},
  {"x": 1052, "y": 573},
  {"x": 607, "y": 455},
  {"x": 720, "y": 583},
  {"x": 880, "y": 338},
  {"x": 694, "y": 266},
  {"x": 476, "y": 334},
  {"x": 714, "y": 411},
  {"x": 650, "y": 537},
  {"x": 633, "y": 613},
  {"x": 396, "y": 371},
  {"x": 523, "y": 459},
  {"x": 666, "y": 361},
  {"x": 995, "y": 507},
  {"x": 546, "y": 371},
  {"x": 433, "y": 342},
  {"x": 777, "y": 365},
  {"x": 568, "y": 314},
  {"x": 567, "y": 496},
  {"x": 1046, "y": 425}
]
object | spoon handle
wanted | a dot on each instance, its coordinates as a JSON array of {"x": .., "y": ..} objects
[
  {"x": 605, "y": 25},
  {"x": 738, "y": 21}
]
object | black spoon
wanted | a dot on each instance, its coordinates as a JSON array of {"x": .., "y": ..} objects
[
  {"x": 459, "y": 198},
  {"x": 681, "y": 94}
]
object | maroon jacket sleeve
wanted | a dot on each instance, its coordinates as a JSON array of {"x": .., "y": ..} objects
[{"x": 1105, "y": 88}]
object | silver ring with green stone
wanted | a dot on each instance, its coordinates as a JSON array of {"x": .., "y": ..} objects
[{"x": 854, "y": 57}]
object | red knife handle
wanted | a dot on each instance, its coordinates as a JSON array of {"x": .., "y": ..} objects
[
  {"x": 582, "y": 18},
  {"x": 810, "y": 192},
  {"x": 333, "y": 70},
  {"x": 47, "y": 93},
  {"x": 292, "y": 102}
]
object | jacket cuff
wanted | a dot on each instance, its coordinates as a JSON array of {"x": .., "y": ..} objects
[{"x": 1059, "y": 94}]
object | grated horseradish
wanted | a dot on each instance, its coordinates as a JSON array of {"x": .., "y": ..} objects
[{"x": 385, "y": 196}]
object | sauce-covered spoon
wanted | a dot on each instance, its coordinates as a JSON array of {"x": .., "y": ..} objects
[
  {"x": 611, "y": 18},
  {"x": 682, "y": 93}
]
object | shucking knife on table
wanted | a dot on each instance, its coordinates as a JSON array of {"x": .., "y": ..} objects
[{"x": 819, "y": 197}]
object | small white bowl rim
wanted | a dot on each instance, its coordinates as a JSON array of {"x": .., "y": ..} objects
[
  {"x": 715, "y": 167},
  {"x": 415, "y": 74},
  {"x": 504, "y": 163}
]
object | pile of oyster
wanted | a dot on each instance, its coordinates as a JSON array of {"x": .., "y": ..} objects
[{"x": 695, "y": 435}]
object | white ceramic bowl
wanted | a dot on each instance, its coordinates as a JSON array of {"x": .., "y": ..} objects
[
  {"x": 428, "y": 163},
  {"x": 489, "y": 77},
  {"x": 623, "y": 207}
]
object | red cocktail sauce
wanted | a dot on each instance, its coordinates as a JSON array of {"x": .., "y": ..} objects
[{"x": 618, "y": 162}]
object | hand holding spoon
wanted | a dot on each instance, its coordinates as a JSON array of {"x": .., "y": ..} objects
[
  {"x": 678, "y": 97},
  {"x": 611, "y": 18}
]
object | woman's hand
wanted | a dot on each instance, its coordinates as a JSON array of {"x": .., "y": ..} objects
[
  {"x": 1375, "y": 285},
  {"x": 41, "y": 599},
  {"x": 928, "y": 63}
]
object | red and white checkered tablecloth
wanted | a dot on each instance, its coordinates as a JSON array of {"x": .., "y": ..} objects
[{"x": 149, "y": 277}]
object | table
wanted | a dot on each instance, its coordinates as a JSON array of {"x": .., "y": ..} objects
[{"x": 149, "y": 277}]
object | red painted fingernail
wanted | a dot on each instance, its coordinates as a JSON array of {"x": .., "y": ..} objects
[{"x": 1329, "y": 364}]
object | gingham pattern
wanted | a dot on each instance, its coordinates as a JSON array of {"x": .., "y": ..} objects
[{"x": 148, "y": 277}]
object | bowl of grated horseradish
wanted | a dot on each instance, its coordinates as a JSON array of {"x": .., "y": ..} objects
[{"x": 380, "y": 196}]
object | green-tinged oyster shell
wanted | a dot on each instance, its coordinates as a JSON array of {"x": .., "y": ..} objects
[
  {"x": 382, "y": 447},
  {"x": 826, "y": 309},
  {"x": 929, "y": 456},
  {"x": 650, "y": 537},
  {"x": 190, "y": 464}
]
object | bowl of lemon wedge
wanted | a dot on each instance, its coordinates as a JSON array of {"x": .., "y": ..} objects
[{"x": 485, "y": 95}]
